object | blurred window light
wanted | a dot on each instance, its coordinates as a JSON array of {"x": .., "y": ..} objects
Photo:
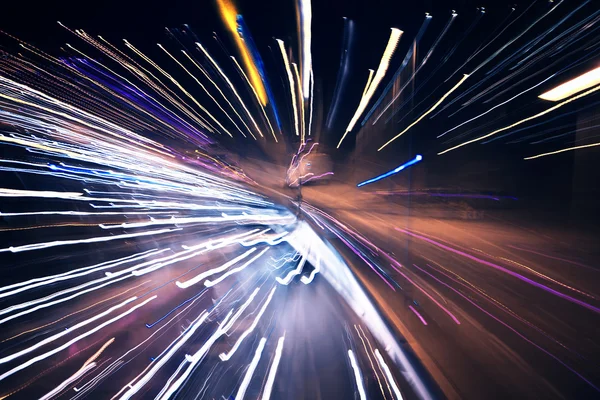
[{"x": 573, "y": 86}]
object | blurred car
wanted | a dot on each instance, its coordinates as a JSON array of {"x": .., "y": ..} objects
[{"x": 310, "y": 167}]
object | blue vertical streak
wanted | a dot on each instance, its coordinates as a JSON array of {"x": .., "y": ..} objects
[{"x": 244, "y": 33}]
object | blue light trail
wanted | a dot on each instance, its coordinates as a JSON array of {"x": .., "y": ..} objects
[{"x": 392, "y": 172}]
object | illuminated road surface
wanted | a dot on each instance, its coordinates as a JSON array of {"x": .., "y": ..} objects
[{"x": 493, "y": 307}]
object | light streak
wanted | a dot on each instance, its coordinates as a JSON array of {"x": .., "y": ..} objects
[
  {"x": 65, "y": 332},
  {"x": 73, "y": 313},
  {"x": 505, "y": 270},
  {"x": 426, "y": 113},
  {"x": 89, "y": 364},
  {"x": 52, "y": 303},
  {"x": 230, "y": 15},
  {"x": 89, "y": 385},
  {"x": 227, "y": 356},
  {"x": 415, "y": 160},
  {"x": 313, "y": 273},
  {"x": 548, "y": 110},
  {"x": 343, "y": 71},
  {"x": 515, "y": 331},
  {"x": 357, "y": 376},
  {"x": 296, "y": 271},
  {"x": 301, "y": 118},
  {"x": 515, "y": 38},
  {"x": 291, "y": 83},
  {"x": 491, "y": 57},
  {"x": 205, "y": 91},
  {"x": 233, "y": 108},
  {"x": 384, "y": 63},
  {"x": 371, "y": 362},
  {"x": 389, "y": 375},
  {"x": 273, "y": 370},
  {"x": 45, "y": 245},
  {"x": 562, "y": 151},
  {"x": 378, "y": 365},
  {"x": 371, "y": 72},
  {"x": 168, "y": 353},
  {"x": 212, "y": 271},
  {"x": 310, "y": 104},
  {"x": 214, "y": 63},
  {"x": 496, "y": 106},
  {"x": 241, "y": 310},
  {"x": 185, "y": 108},
  {"x": 82, "y": 371},
  {"x": 306, "y": 21},
  {"x": 250, "y": 371},
  {"x": 164, "y": 358},
  {"x": 420, "y": 67},
  {"x": 407, "y": 58},
  {"x": 232, "y": 271},
  {"x": 417, "y": 314},
  {"x": 261, "y": 106},
  {"x": 575, "y": 85},
  {"x": 74, "y": 340},
  {"x": 47, "y": 280},
  {"x": 193, "y": 360}
]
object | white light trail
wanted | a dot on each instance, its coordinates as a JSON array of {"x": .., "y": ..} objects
[
  {"x": 74, "y": 340},
  {"x": 82, "y": 371},
  {"x": 315, "y": 271},
  {"x": 214, "y": 63},
  {"x": 76, "y": 273},
  {"x": 232, "y": 271},
  {"x": 306, "y": 18},
  {"x": 251, "y": 368},
  {"x": 389, "y": 375},
  {"x": 226, "y": 357},
  {"x": 89, "y": 364},
  {"x": 357, "y": 376},
  {"x": 296, "y": 271},
  {"x": 160, "y": 361},
  {"x": 302, "y": 121},
  {"x": 65, "y": 332},
  {"x": 195, "y": 359},
  {"x": 241, "y": 310},
  {"x": 493, "y": 108},
  {"x": 45, "y": 245},
  {"x": 52, "y": 303},
  {"x": 286, "y": 62},
  {"x": 370, "y": 361},
  {"x": 273, "y": 370},
  {"x": 212, "y": 271}
]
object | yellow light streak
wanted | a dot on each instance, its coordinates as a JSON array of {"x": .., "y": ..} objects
[
  {"x": 229, "y": 15},
  {"x": 427, "y": 112},
  {"x": 562, "y": 151},
  {"x": 523, "y": 120}
]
